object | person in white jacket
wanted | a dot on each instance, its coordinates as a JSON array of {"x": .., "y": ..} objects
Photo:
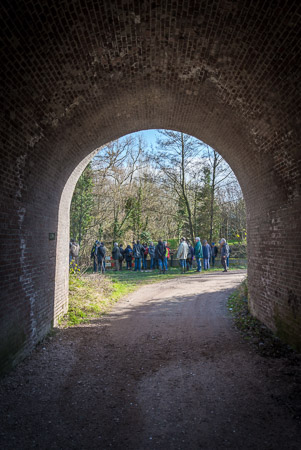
[{"x": 182, "y": 254}]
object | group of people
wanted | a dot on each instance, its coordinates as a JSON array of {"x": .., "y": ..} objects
[
  {"x": 203, "y": 252},
  {"x": 160, "y": 254}
]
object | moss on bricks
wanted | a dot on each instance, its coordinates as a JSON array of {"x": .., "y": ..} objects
[{"x": 10, "y": 348}]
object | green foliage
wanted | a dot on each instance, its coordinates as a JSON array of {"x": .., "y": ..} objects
[
  {"x": 145, "y": 236},
  {"x": 82, "y": 205},
  {"x": 133, "y": 209},
  {"x": 89, "y": 296},
  {"x": 73, "y": 268}
]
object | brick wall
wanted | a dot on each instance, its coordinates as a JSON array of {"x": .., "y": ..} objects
[{"x": 79, "y": 74}]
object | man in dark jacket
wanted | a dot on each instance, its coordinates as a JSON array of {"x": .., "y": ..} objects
[
  {"x": 189, "y": 256},
  {"x": 138, "y": 252},
  {"x": 128, "y": 253},
  {"x": 94, "y": 255},
  {"x": 160, "y": 253},
  {"x": 116, "y": 256},
  {"x": 121, "y": 256},
  {"x": 101, "y": 255},
  {"x": 151, "y": 251},
  {"x": 214, "y": 252}
]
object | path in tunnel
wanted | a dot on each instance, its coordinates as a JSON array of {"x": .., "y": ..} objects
[{"x": 164, "y": 370}]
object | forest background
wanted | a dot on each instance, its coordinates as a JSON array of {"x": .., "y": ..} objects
[{"x": 170, "y": 187}]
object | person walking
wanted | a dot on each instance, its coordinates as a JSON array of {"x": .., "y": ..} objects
[
  {"x": 160, "y": 253},
  {"x": 73, "y": 253},
  {"x": 182, "y": 254},
  {"x": 224, "y": 253},
  {"x": 138, "y": 251},
  {"x": 116, "y": 256},
  {"x": 121, "y": 258},
  {"x": 167, "y": 255},
  {"x": 198, "y": 252},
  {"x": 101, "y": 256},
  {"x": 128, "y": 253},
  {"x": 151, "y": 252},
  {"x": 189, "y": 256},
  {"x": 206, "y": 254},
  {"x": 214, "y": 252}
]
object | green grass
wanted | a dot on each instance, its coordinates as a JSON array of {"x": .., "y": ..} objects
[
  {"x": 91, "y": 296},
  {"x": 138, "y": 278}
]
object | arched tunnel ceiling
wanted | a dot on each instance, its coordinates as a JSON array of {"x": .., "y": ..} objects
[{"x": 94, "y": 61}]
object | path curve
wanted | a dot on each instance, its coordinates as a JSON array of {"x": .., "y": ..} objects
[{"x": 164, "y": 370}]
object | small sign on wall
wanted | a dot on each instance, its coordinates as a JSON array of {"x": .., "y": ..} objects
[{"x": 51, "y": 236}]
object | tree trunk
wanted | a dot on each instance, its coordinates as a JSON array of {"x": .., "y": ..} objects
[
  {"x": 184, "y": 189},
  {"x": 212, "y": 195}
]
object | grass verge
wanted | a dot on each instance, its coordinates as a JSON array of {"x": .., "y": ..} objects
[{"x": 92, "y": 296}]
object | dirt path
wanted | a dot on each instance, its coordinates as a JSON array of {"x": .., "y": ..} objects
[{"x": 164, "y": 370}]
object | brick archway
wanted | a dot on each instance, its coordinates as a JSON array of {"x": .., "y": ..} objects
[{"x": 79, "y": 74}]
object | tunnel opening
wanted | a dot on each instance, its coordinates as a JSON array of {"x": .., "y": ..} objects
[{"x": 157, "y": 183}]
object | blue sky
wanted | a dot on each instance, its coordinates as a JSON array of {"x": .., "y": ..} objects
[{"x": 149, "y": 135}]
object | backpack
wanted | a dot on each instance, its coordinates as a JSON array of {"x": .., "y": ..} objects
[
  {"x": 74, "y": 249},
  {"x": 137, "y": 251}
]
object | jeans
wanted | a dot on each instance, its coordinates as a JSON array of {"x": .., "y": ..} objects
[
  {"x": 137, "y": 264},
  {"x": 166, "y": 263},
  {"x": 144, "y": 263},
  {"x": 199, "y": 264},
  {"x": 189, "y": 263},
  {"x": 161, "y": 264},
  {"x": 206, "y": 263},
  {"x": 228, "y": 261},
  {"x": 128, "y": 264},
  {"x": 213, "y": 260},
  {"x": 152, "y": 263},
  {"x": 183, "y": 263}
]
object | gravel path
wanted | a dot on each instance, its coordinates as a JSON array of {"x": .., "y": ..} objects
[{"x": 164, "y": 370}]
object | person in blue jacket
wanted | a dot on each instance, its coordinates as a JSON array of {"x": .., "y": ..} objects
[{"x": 206, "y": 254}]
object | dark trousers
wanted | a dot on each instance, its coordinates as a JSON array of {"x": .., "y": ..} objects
[
  {"x": 99, "y": 265},
  {"x": 224, "y": 262}
]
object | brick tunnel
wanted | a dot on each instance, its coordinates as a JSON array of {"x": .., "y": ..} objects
[{"x": 80, "y": 74}]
